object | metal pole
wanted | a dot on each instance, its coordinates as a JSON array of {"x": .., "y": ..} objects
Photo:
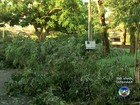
[
  {"x": 89, "y": 22},
  {"x": 3, "y": 32}
]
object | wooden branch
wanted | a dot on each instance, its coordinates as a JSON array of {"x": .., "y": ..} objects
[
  {"x": 50, "y": 12},
  {"x": 99, "y": 2},
  {"x": 53, "y": 10},
  {"x": 101, "y": 12},
  {"x": 45, "y": 17},
  {"x": 36, "y": 29},
  {"x": 41, "y": 29}
]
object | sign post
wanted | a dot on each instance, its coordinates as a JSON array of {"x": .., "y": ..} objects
[
  {"x": 90, "y": 44},
  {"x": 89, "y": 22}
]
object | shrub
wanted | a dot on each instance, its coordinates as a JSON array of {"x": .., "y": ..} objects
[
  {"x": 28, "y": 82},
  {"x": 24, "y": 52},
  {"x": 4, "y": 41},
  {"x": 61, "y": 71}
]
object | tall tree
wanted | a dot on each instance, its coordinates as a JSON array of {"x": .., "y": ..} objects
[
  {"x": 124, "y": 36},
  {"x": 133, "y": 20},
  {"x": 105, "y": 41},
  {"x": 47, "y": 15},
  {"x": 125, "y": 11}
]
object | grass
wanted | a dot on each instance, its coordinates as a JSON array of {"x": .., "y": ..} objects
[{"x": 121, "y": 58}]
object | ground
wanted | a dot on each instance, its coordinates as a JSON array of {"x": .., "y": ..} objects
[{"x": 5, "y": 75}]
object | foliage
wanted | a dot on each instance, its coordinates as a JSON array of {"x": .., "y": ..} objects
[
  {"x": 20, "y": 46},
  {"x": 4, "y": 41},
  {"x": 59, "y": 71},
  {"x": 48, "y": 98},
  {"x": 45, "y": 15},
  {"x": 68, "y": 74},
  {"x": 126, "y": 12}
]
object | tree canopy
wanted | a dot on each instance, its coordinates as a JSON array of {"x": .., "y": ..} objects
[
  {"x": 69, "y": 16},
  {"x": 45, "y": 15},
  {"x": 126, "y": 12}
]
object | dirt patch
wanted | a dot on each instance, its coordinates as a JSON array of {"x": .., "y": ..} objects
[
  {"x": 5, "y": 75},
  {"x": 6, "y": 100}
]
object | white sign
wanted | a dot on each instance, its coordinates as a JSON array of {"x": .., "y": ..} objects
[{"x": 90, "y": 44}]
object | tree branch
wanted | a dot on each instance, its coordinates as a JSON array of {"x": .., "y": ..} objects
[
  {"x": 51, "y": 12},
  {"x": 54, "y": 10}
]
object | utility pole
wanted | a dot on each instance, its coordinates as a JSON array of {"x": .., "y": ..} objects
[
  {"x": 90, "y": 44},
  {"x": 89, "y": 22}
]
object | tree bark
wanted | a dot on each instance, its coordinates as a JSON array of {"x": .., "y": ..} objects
[
  {"x": 39, "y": 32},
  {"x": 124, "y": 37},
  {"x": 105, "y": 41},
  {"x": 132, "y": 40},
  {"x": 136, "y": 61}
]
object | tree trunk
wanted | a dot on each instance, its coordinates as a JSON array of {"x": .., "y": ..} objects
[
  {"x": 41, "y": 37},
  {"x": 136, "y": 63},
  {"x": 105, "y": 41},
  {"x": 39, "y": 32},
  {"x": 124, "y": 37},
  {"x": 132, "y": 40}
]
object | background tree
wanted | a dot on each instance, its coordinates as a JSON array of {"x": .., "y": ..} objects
[
  {"x": 125, "y": 11},
  {"x": 5, "y": 11},
  {"x": 46, "y": 15}
]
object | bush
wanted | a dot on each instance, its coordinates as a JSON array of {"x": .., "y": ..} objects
[
  {"x": 48, "y": 98},
  {"x": 60, "y": 71},
  {"x": 24, "y": 52},
  {"x": 4, "y": 41}
]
